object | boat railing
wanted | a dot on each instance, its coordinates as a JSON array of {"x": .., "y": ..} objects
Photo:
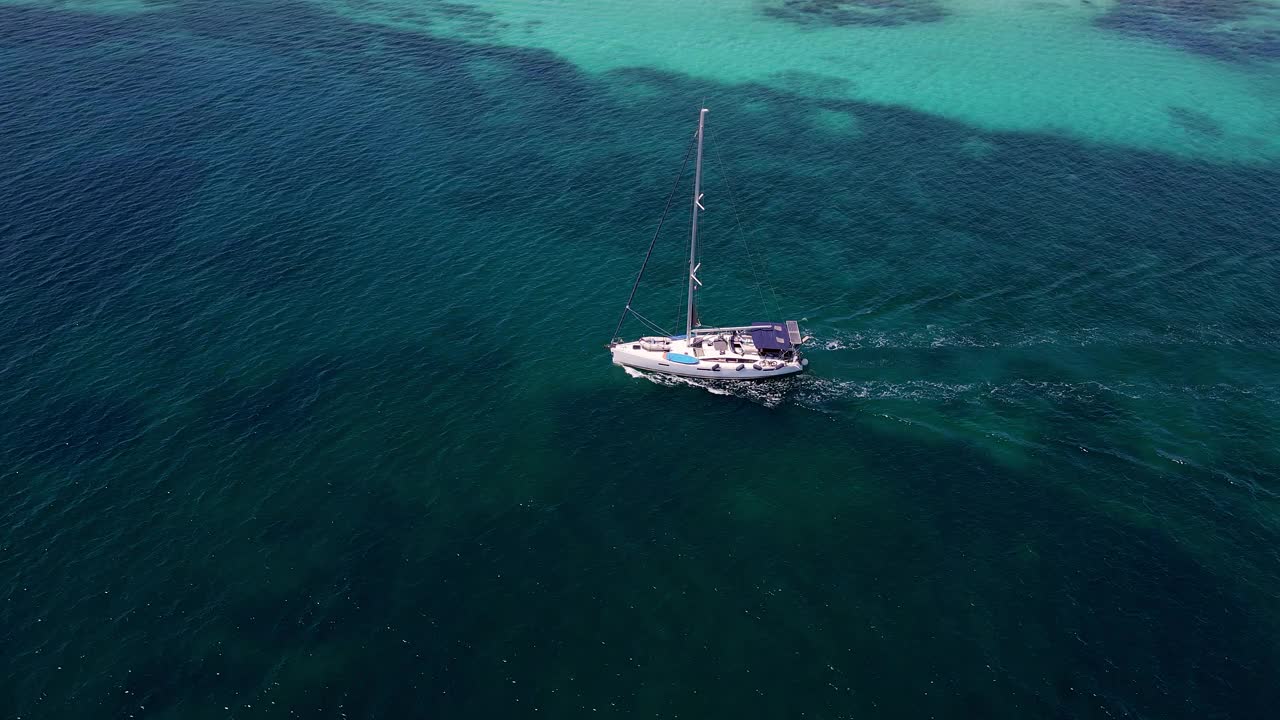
[{"x": 716, "y": 330}]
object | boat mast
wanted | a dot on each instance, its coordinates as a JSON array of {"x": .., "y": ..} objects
[{"x": 693, "y": 233}]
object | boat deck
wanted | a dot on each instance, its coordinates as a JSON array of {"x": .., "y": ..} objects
[{"x": 722, "y": 359}]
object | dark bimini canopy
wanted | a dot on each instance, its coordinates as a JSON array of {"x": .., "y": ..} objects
[{"x": 769, "y": 336}]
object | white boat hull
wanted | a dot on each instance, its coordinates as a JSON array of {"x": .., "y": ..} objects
[{"x": 719, "y": 367}]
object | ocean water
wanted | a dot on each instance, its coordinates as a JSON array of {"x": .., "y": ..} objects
[{"x": 305, "y": 409}]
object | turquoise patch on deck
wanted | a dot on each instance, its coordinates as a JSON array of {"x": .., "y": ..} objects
[{"x": 682, "y": 358}]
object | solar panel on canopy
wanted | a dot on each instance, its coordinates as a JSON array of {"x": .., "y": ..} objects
[{"x": 793, "y": 332}]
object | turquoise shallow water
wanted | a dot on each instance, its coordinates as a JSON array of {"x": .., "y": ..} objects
[{"x": 306, "y": 410}]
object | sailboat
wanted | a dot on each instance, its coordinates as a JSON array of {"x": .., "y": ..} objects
[{"x": 755, "y": 351}]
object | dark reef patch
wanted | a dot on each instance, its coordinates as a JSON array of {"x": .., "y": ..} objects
[
  {"x": 286, "y": 403},
  {"x": 1234, "y": 30},
  {"x": 1194, "y": 121},
  {"x": 247, "y": 21},
  {"x": 852, "y": 13}
]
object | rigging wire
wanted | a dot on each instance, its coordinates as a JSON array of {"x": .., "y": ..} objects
[
  {"x": 670, "y": 196},
  {"x": 742, "y": 237},
  {"x": 650, "y": 324}
]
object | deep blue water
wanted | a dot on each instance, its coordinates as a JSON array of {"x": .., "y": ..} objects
[{"x": 304, "y": 409}]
